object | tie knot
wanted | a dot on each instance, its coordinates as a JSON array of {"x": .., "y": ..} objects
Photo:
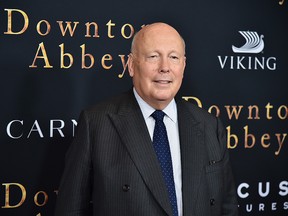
[{"x": 158, "y": 115}]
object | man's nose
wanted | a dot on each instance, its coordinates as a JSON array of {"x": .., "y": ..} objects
[{"x": 164, "y": 65}]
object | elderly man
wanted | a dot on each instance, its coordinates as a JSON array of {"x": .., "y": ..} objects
[{"x": 144, "y": 153}]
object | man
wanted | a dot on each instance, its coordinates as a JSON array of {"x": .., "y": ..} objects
[{"x": 114, "y": 163}]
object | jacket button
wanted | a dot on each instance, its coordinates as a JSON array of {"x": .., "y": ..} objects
[
  {"x": 212, "y": 202},
  {"x": 126, "y": 188}
]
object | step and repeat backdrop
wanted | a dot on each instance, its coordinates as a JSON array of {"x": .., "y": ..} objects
[{"x": 59, "y": 57}]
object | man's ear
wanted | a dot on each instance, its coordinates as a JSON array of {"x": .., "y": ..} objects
[
  {"x": 184, "y": 62},
  {"x": 130, "y": 65},
  {"x": 184, "y": 65}
]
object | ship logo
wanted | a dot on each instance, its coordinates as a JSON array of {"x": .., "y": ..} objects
[{"x": 254, "y": 43}]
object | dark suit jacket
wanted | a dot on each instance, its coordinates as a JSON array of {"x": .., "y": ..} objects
[{"x": 112, "y": 162}]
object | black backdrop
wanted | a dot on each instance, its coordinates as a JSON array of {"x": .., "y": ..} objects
[{"x": 43, "y": 90}]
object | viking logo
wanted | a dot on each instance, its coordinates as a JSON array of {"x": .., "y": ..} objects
[{"x": 254, "y": 43}]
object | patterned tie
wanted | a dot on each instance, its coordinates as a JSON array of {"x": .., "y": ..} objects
[{"x": 162, "y": 149}]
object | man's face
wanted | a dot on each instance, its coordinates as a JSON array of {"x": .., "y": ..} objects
[{"x": 157, "y": 64}]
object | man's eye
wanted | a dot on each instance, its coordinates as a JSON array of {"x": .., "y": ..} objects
[{"x": 174, "y": 57}]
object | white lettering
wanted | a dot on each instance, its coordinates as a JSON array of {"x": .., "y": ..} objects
[
  {"x": 222, "y": 63},
  {"x": 52, "y": 127},
  {"x": 247, "y": 62},
  {"x": 36, "y": 128},
  {"x": 260, "y": 189},
  {"x": 283, "y": 186},
  {"x": 239, "y": 190},
  {"x": 8, "y": 129}
]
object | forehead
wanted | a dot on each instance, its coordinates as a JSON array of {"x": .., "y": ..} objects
[{"x": 158, "y": 38}]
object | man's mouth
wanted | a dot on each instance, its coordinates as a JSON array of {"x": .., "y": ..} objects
[{"x": 163, "y": 81}]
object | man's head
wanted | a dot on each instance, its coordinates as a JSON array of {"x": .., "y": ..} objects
[{"x": 156, "y": 63}]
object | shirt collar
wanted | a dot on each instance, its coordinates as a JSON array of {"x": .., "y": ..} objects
[{"x": 170, "y": 110}]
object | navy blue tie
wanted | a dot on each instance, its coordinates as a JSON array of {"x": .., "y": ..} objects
[{"x": 162, "y": 149}]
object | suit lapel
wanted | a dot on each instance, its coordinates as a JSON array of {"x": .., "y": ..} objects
[
  {"x": 192, "y": 156},
  {"x": 132, "y": 129}
]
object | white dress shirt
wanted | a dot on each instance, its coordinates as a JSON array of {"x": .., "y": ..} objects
[{"x": 171, "y": 122}]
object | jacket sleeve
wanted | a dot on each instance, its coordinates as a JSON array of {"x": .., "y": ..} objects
[
  {"x": 230, "y": 203},
  {"x": 74, "y": 193}
]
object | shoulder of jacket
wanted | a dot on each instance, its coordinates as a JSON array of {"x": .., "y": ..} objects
[
  {"x": 196, "y": 111},
  {"x": 108, "y": 105}
]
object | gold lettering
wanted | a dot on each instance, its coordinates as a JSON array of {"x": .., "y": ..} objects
[
  {"x": 187, "y": 98},
  {"x": 256, "y": 108},
  {"x": 236, "y": 112},
  {"x": 9, "y": 24},
  {"x": 84, "y": 56},
  {"x": 131, "y": 31},
  {"x": 229, "y": 136},
  {"x": 106, "y": 57},
  {"x": 247, "y": 136},
  {"x": 48, "y": 28},
  {"x": 124, "y": 65},
  {"x": 216, "y": 108},
  {"x": 263, "y": 138},
  {"x": 67, "y": 27},
  {"x": 43, "y": 56},
  {"x": 268, "y": 107},
  {"x": 63, "y": 55},
  {"x": 280, "y": 142},
  {"x": 285, "y": 112},
  {"x": 110, "y": 24},
  {"x": 88, "y": 34},
  {"x": 36, "y": 198},
  {"x": 7, "y": 195}
]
